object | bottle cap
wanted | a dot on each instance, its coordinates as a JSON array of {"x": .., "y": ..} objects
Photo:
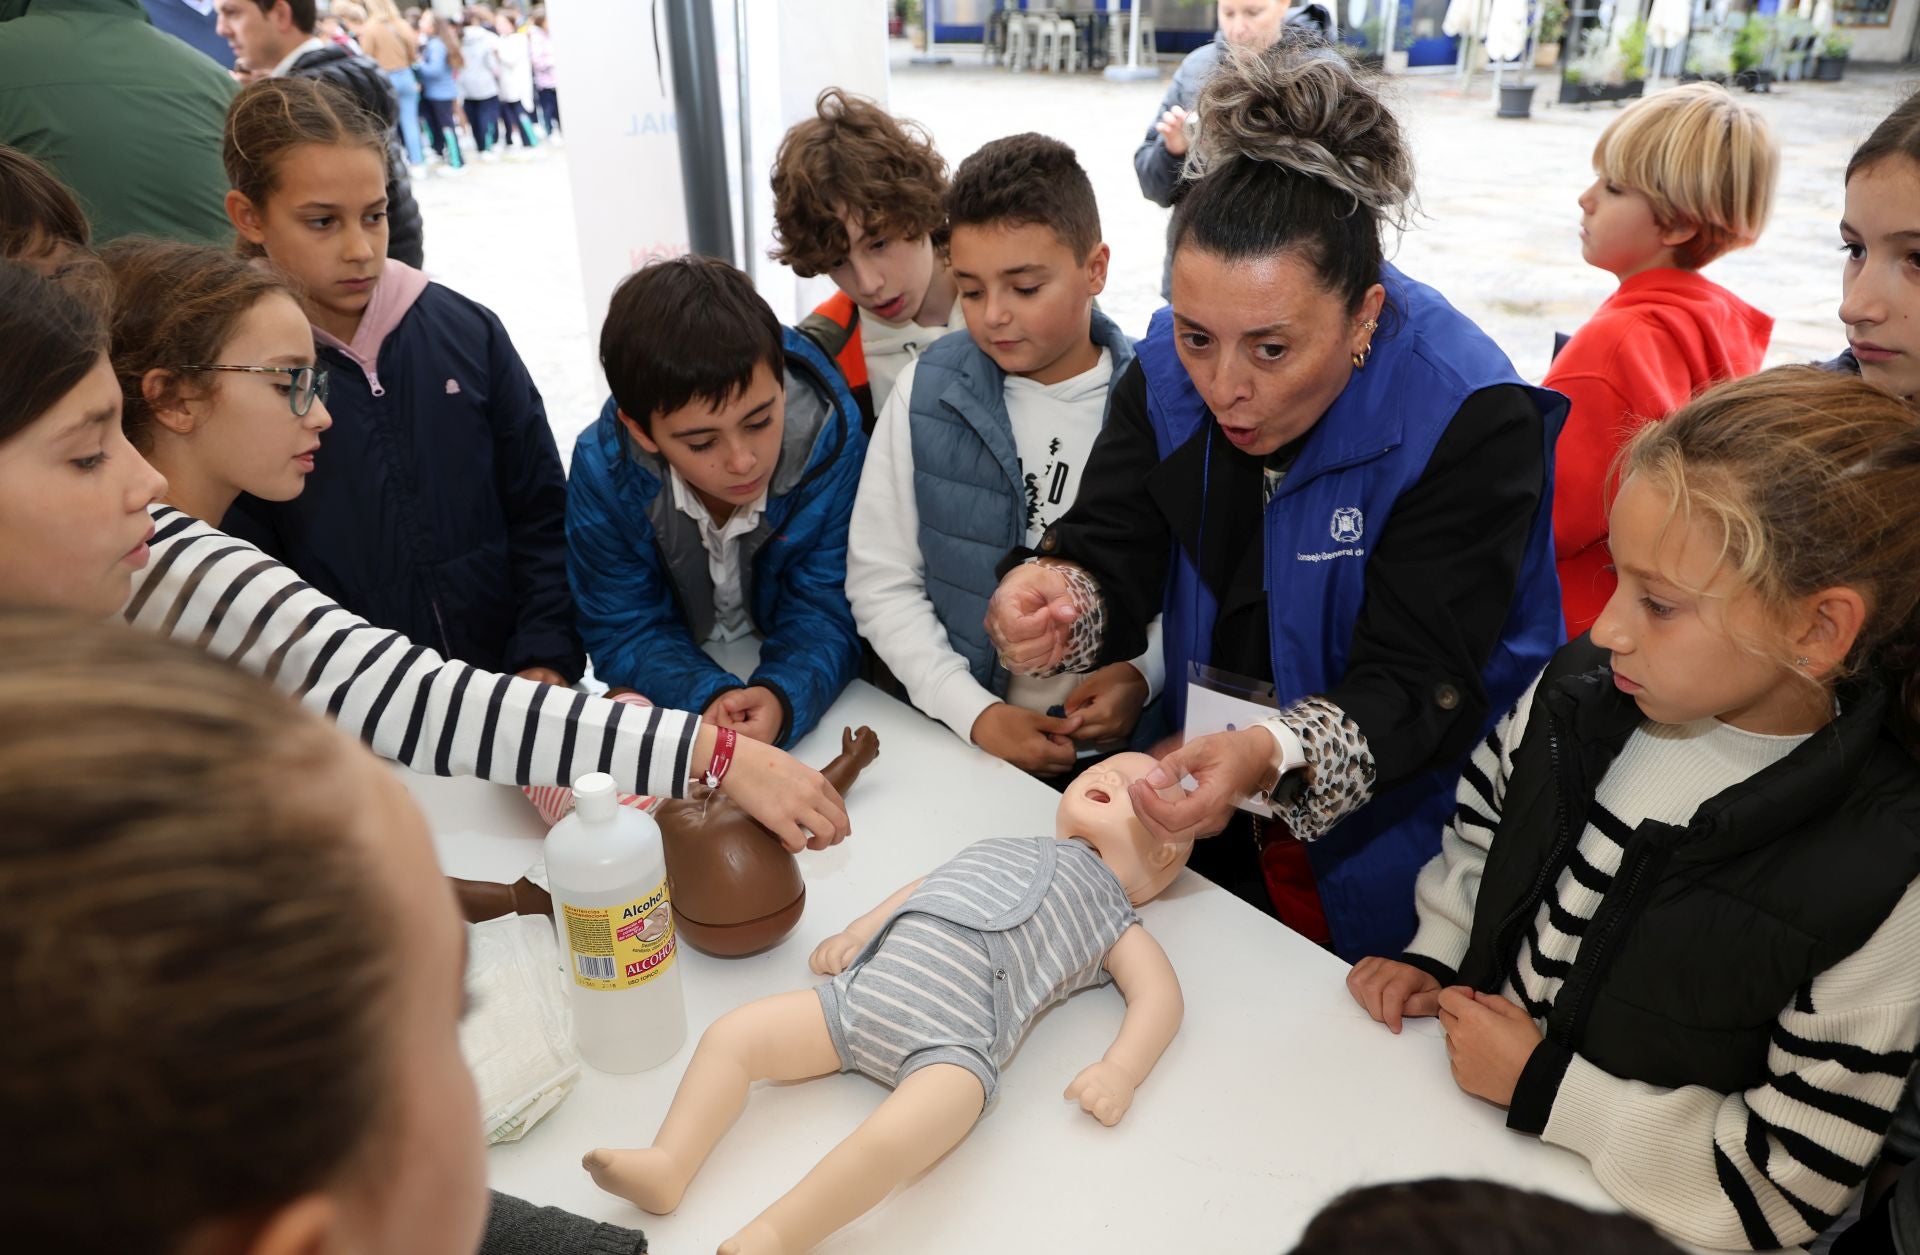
[{"x": 596, "y": 797}]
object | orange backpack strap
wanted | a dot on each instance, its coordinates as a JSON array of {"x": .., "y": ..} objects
[{"x": 835, "y": 327}]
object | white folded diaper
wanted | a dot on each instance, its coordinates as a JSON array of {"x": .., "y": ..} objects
[{"x": 518, "y": 1040}]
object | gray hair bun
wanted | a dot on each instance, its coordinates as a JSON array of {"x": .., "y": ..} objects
[{"x": 1309, "y": 108}]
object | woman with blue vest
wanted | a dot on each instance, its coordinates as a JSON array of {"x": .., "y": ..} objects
[{"x": 1327, "y": 480}]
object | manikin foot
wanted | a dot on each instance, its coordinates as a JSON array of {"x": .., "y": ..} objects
[
  {"x": 757, "y": 1238},
  {"x": 649, "y": 1179}
]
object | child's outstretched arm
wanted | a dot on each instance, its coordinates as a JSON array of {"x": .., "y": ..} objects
[
  {"x": 404, "y": 700},
  {"x": 1155, "y": 1007},
  {"x": 532, "y": 487},
  {"x": 1448, "y": 887}
]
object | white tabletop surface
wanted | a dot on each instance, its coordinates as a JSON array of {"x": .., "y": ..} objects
[{"x": 1278, "y": 1094}]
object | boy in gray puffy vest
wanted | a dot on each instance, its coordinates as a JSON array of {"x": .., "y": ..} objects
[{"x": 981, "y": 446}]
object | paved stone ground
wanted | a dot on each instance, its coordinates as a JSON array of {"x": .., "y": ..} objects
[{"x": 1499, "y": 235}]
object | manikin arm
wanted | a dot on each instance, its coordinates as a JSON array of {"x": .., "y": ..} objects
[
  {"x": 1154, "y": 1009},
  {"x": 831, "y": 956}
]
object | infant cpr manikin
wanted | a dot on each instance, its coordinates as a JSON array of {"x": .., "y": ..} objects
[{"x": 930, "y": 995}]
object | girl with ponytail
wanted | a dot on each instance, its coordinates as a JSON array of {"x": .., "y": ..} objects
[{"x": 1328, "y": 481}]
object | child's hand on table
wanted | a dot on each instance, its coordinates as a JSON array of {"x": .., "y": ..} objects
[
  {"x": 1108, "y": 703},
  {"x": 1391, "y": 990},
  {"x": 753, "y": 712},
  {"x": 1031, "y": 741},
  {"x": 1489, "y": 1041}
]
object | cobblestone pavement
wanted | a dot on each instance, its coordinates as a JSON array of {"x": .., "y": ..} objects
[{"x": 1498, "y": 235}]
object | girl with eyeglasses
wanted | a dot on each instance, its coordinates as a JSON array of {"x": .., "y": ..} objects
[{"x": 220, "y": 390}]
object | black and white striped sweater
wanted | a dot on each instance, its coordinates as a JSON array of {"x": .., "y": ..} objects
[
  {"x": 405, "y": 701},
  {"x": 1701, "y": 1164}
]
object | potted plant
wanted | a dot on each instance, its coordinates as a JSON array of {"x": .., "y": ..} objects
[
  {"x": 1614, "y": 70},
  {"x": 1752, "y": 42},
  {"x": 1595, "y": 75},
  {"x": 1553, "y": 28},
  {"x": 1633, "y": 52},
  {"x": 911, "y": 15},
  {"x": 1709, "y": 59},
  {"x": 1831, "y": 66}
]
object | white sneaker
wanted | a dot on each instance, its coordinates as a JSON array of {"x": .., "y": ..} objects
[
  {"x": 492, "y": 154},
  {"x": 417, "y": 172}
]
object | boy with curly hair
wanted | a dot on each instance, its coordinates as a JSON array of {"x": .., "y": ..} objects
[{"x": 857, "y": 197}]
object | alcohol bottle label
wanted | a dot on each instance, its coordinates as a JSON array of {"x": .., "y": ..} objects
[{"x": 621, "y": 947}]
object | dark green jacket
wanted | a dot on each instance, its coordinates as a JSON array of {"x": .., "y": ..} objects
[{"x": 128, "y": 117}]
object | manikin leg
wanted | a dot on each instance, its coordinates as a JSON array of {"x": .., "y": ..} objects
[
  {"x": 782, "y": 1038},
  {"x": 919, "y": 1122}
]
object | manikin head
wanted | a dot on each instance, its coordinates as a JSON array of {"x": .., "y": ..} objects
[{"x": 1095, "y": 809}]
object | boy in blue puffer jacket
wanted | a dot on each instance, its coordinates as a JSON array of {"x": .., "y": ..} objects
[{"x": 710, "y": 500}]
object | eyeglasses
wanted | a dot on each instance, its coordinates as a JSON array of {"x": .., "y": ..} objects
[{"x": 307, "y": 382}]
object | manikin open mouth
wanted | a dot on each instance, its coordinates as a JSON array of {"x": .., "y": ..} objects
[{"x": 1099, "y": 795}]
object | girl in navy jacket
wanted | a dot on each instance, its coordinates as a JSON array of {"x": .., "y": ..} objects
[{"x": 437, "y": 508}]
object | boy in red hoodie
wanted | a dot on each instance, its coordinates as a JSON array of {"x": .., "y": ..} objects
[{"x": 1682, "y": 177}]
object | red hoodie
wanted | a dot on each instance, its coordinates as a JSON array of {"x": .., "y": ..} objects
[{"x": 1663, "y": 337}]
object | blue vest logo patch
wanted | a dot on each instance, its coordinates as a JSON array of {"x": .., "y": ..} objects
[{"x": 1348, "y": 525}]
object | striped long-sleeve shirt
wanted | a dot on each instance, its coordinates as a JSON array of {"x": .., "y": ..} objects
[
  {"x": 1766, "y": 1167},
  {"x": 405, "y": 701}
]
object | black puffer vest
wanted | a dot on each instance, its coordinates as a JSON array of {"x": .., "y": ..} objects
[{"x": 1708, "y": 931}]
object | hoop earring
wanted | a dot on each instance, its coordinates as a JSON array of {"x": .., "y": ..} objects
[{"x": 1360, "y": 358}]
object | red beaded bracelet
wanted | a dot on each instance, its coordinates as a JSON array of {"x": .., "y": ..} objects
[{"x": 723, "y": 740}]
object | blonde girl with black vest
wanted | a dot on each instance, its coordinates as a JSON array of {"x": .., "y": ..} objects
[{"x": 1673, "y": 920}]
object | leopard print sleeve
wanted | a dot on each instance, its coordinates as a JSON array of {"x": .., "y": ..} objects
[
  {"x": 1339, "y": 776},
  {"x": 1089, "y": 630}
]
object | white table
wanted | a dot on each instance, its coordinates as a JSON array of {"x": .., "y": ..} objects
[{"x": 1278, "y": 1094}]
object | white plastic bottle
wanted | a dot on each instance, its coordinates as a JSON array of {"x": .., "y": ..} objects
[{"x": 607, "y": 871}]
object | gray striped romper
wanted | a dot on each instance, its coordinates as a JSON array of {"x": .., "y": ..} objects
[{"x": 991, "y": 938}]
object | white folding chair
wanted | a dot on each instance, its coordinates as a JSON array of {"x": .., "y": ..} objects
[
  {"x": 1066, "y": 46},
  {"x": 1020, "y": 33},
  {"x": 1045, "y": 36},
  {"x": 1119, "y": 26}
]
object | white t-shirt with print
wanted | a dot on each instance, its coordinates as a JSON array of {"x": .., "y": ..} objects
[{"x": 1054, "y": 425}]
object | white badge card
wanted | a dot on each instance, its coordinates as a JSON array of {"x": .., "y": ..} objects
[{"x": 1221, "y": 701}]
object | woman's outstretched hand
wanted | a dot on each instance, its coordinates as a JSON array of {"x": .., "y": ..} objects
[
  {"x": 1030, "y": 619},
  {"x": 1227, "y": 767}
]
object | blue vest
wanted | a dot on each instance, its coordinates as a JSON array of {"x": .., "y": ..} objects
[
  {"x": 1333, "y": 505},
  {"x": 968, "y": 485}
]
